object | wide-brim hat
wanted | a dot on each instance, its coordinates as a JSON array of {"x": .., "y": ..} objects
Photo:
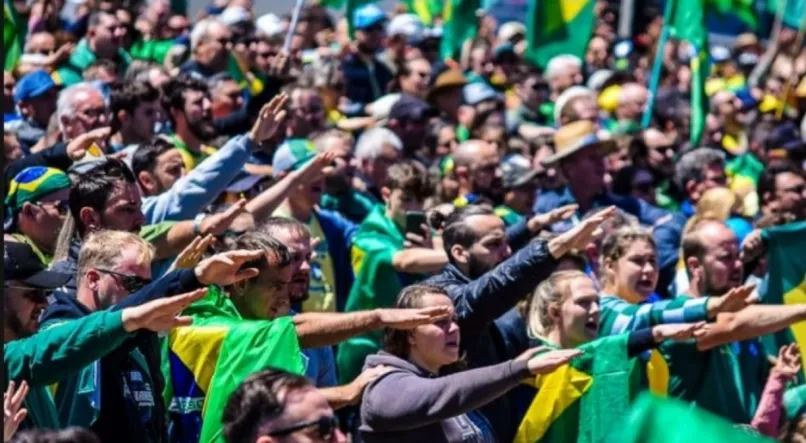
[
  {"x": 576, "y": 136},
  {"x": 450, "y": 78}
]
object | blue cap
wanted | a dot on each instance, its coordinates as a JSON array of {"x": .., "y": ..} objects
[
  {"x": 368, "y": 16},
  {"x": 291, "y": 155},
  {"x": 33, "y": 85},
  {"x": 477, "y": 92}
]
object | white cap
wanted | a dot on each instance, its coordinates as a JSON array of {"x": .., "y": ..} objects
[
  {"x": 270, "y": 25},
  {"x": 408, "y": 25},
  {"x": 598, "y": 79},
  {"x": 509, "y": 30},
  {"x": 233, "y": 15},
  {"x": 380, "y": 108},
  {"x": 566, "y": 96}
]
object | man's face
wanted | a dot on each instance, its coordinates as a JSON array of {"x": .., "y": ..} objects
[
  {"x": 481, "y": 62},
  {"x": 170, "y": 168},
  {"x": 23, "y": 307},
  {"x": 570, "y": 76},
  {"x": 490, "y": 249},
  {"x": 376, "y": 170},
  {"x": 660, "y": 152},
  {"x": 40, "y": 108},
  {"x": 145, "y": 117},
  {"x": 586, "y": 170},
  {"x": 448, "y": 101},
  {"x": 8, "y": 91},
  {"x": 91, "y": 113},
  {"x": 370, "y": 39},
  {"x": 43, "y": 43},
  {"x": 533, "y": 92},
  {"x": 199, "y": 115},
  {"x": 485, "y": 170},
  {"x": 303, "y": 405},
  {"x": 123, "y": 210},
  {"x": 47, "y": 216},
  {"x": 307, "y": 115},
  {"x": 299, "y": 245},
  {"x": 713, "y": 176},
  {"x": 213, "y": 49},
  {"x": 416, "y": 83},
  {"x": 107, "y": 36},
  {"x": 586, "y": 108},
  {"x": 790, "y": 194},
  {"x": 111, "y": 285},
  {"x": 264, "y": 55},
  {"x": 722, "y": 266},
  {"x": 227, "y": 99},
  {"x": 266, "y": 296},
  {"x": 597, "y": 52}
]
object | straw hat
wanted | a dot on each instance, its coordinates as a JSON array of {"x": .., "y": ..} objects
[
  {"x": 575, "y": 137},
  {"x": 451, "y": 78}
]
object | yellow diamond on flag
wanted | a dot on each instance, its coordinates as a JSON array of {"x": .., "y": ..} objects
[{"x": 569, "y": 10}]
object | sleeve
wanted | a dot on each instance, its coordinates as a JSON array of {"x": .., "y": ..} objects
[
  {"x": 640, "y": 341},
  {"x": 420, "y": 401},
  {"x": 618, "y": 316},
  {"x": 64, "y": 349},
  {"x": 174, "y": 283},
  {"x": 55, "y": 157},
  {"x": 483, "y": 300},
  {"x": 667, "y": 237},
  {"x": 518, "y": 235},
  {"x": 191, "y": 193},
  {"x": 768, "y": 414}
]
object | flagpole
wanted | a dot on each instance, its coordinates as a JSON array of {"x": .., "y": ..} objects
[
  {"x": 793, "y": 75},
  {"x": 656, "y": 69},
  {"x": 293, "y": 26}
]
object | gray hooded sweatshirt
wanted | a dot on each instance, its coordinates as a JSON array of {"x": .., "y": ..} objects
[{"x": 410, "y": 404}]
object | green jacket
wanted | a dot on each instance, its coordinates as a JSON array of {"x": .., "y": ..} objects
[
  {"x": 353, "y": 205},
  {"x": 72, "y": 72},
  {"x": 55, "y": 354}
]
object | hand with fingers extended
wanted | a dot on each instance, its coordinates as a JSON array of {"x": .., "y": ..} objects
[
  {"x": 161, "y": 315},
  {"x": 192, "y": 254},
  {"x": 270, "y": 119},
  {"x": 578, "y": 237},
  {"x": 77, "y": 147},
  {"x": 541, "y": 221},
  {"x": 13, "y": 412},
  {"x": 217, "y": 224},
  {"x": 734, "y": 301},
  {"x": 411, "y": 318},
  {"x": 752, "y": 246},
  {"x": 679, "y": 331},
  {"x": 419, "y": 241},
  {"x": 547, "y": 359},
  {"x": 225, "y": 269},
  {"x": 363, "y": 380},
  {"x": 788, "y": 362},
  {"x": 314, "y": 167}
]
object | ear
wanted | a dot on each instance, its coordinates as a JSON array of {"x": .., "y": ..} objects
[
  {"x": 609, "y": 266},
  {"x": 90, "y": 219},
  {"x": 148, "y": 182},
  {"x": 386, "y": 193},
  {"x": 460, "y": 254},
  {"x": 122, "y": 116},
  {"x": 555, "y": 313},
  {"x": 92, "y": 277},
  {"x": 27, "y": 209},
  {"x": 694, "y": 267}
]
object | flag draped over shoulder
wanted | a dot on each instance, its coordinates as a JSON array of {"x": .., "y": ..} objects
[
  {"x": 688, "y": 24},
  {"x": 794, "y": 11},
  {"x": 204, "y": 363},
  {"x": 460, "y": 24},
  {"x": 585, "y": 400},
  {"x": 12, "y": 40},
  {"x": 786, "y": 281},
  {"x": 656, "y": 420},
  {"x": 555, "y": 27},
  {"x": 376, "y": 285}
]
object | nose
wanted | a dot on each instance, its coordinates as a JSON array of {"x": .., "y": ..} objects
[{"x": 594, "y": 308}]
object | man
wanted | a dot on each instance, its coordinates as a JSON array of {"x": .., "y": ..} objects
[
  {"x": 446, "y": 93},
  {"x": 388, "y": 255},
  {"x": 306, "y": 113},
  {"x": 365, "y": 76},
  {"x": 210, "y": 43},
  {"x": 562, "y": 72},
  {"x": 597, "y": 56},
  {"x": 228, "y": 105},
  {"x": 80, "y": 109},
  {"x": 782, "y": 189},
  {"x": 483, "y": 106},
  {"x": 135, "y": 109},
  {"x": 731, "y": 136},
  {"x": 408, "y": 119},
  {"x": 476, "y": 166},
  {"x": 575, "y": 104},
  {"x": 485, "y": 281},
  {"x": 103, "y": 41},
  {"x": 188, "y": 104},
  {"x": 533, "y": 95},
  {"x": 375, "y": 151},
  {"x": 274, "y": 405},
  {"x": 42, "y": 358},
  {"x": 124, "y": 391},
  {"x": 655, "y": 151},
  {"x": 340, "y": 194},
  {"x": 519, "y": 184},
  {"x": 36, "y": 207},
  {"x": 331, "y": 276},
  {"x": 35, "y": 96},
  {"x": 631, "y": 103}
]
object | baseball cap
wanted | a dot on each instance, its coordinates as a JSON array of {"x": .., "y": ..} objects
[
  {"x": 411, "y": 108},
  {"x": 368, "y": 16},
  {"x": 517, "y": 171},
  {"x": 21, "y": 263},
  {"x": 243, "y": 182},
  {"x": 382, "y": 107},
  {"x": 33, "y": 85},
  {"x": 291, "y": 155},
  {"x": 504, "y": 51},
  {"x": 509, "y": 30},
  {"x": 477, "y": 92},
  {"x": 407, "y": 25}
]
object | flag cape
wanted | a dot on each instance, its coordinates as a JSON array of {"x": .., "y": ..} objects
[
  {"x": 786, "y": 280},
  {"x": 459, "y": 24},
  {"x": 656, "y": 420},
  {"x": 204, "y": 363},
  {"x": 12, "y": 40},
  {"x": 555, "y": 27},
  {"x": 376, "y": 285},
  {"x": 585, "y": 400}
]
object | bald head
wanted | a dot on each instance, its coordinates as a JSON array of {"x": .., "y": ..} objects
[
  {"x": 469, "y": 152},
  {"x": 632, "y": 101},
  {"x": 654, "y": 138},
  {"x": 711, "y": 254}
]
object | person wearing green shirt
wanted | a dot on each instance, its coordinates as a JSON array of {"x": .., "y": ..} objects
[
  {"x": 388, "y": 255},
  {"x": 519, "y": 184},
  {"x": 103, "y": 41}
]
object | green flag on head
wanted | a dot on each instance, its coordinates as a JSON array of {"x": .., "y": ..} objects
[
  {"x": 555, "y": 27},
  {"x": 460, "y": 24},
  {"x": 786, "y": 280},
  {"x": 794, "y": 11}
]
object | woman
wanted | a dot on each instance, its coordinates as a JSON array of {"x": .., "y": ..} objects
[{"x": 412, "y": 403}]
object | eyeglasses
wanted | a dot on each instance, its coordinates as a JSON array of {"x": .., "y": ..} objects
[
  {"x": 325, "y": 427},
  {"x": 60, "y": 206},
  {"x": 36, "y": 295},
  {"x": 131, "y": 283}
]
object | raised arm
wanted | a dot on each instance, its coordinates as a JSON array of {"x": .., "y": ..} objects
[{"x": 750, "y": 322}]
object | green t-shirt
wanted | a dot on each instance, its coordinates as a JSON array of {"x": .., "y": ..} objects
[
  {"x": 509, "y": 215},
  {"x": 353, "y": 205}
]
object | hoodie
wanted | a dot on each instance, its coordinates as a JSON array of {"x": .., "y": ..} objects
[{"x": 429, "y": 408}]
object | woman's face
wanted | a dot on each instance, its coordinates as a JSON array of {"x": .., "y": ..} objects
[
  {"x": 446, "y": 143},
  {"x": 636, "y": 272},
  {"x": 435, "y": 345},
  {"x": 579, "y": 313}
]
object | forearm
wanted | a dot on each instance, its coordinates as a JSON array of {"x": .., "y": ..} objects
[
  {"x": 175, "y": 240},
  {"x": 267, "y": 201},
  {"x": 340, "y": 396},
  {"x": 641, "y": 341},
  {"x": 316, "y": 329},
  {"x": 751, "y": 322},
  {"x": 768, "y": 414},
  {"x": 419, "y": 261}
]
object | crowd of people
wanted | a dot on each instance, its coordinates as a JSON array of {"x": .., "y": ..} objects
[{"x": 220, "y": 228}]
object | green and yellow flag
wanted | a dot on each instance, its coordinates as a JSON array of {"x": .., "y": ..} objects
[
  {"x": 555, "y": 27},
  {"x": 657, "y": 420},
  {"x": 427, "y": 10},
  {"x": 460, "y": 24},
  {"x": 12, "y": 40},
  {"x": 585, "y": 400},
  {"x": 794, "y": 11},
  {"x": 786, "y": 280},
  {"x": 744, "y": 10},
  {"x": 203, "y": 364}
]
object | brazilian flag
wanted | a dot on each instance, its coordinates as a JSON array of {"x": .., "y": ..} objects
[
  {"x": 460, "y": 24},
  {"x": 555, "y": 27},
  {"x": 744, "y": 10},
  {"x": 204, "y": 363},
  {"x": 585, "y": 400},
  {"x": 786, "y": 281},
  {"x": 427, "y": 10}
]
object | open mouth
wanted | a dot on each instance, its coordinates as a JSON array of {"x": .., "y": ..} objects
[
  {"x": 645, "y": 286},
  {"x": 592, "y": 327}
]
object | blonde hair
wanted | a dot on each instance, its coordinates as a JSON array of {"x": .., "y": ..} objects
[
  {"x": 616, "y": 244},
  {"x": 719, "y": 204},
  {"x": 102, "y": 250},
  {"x": 554, "y": 289}
]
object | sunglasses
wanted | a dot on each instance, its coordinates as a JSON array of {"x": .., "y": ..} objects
[
  {"x": 325, "y": 427},
  {"x": 131, "y": 283},
  {"x": 36, "y": 295},
  {"x": 60, "y": 206}
]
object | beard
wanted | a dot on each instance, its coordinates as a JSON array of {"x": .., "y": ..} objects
[
  {"x": 477, "y": 268},
  {"x": 298, "y": 288},
  {"x": 16, "y": 326},
  {"x": 203, "y": 129}
]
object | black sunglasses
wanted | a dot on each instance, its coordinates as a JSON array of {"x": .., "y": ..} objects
[
  {"x": 325, "y": 427},
  {"x": 131, "y": 283},
  {"x": 36, "y": 295}
]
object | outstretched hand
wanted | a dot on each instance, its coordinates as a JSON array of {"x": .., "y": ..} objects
[
  {"x": 77, "y": 148},
  {"x": 735, "y": 300},
  {"x": 225, "y": 269},
  {"x": 541, "y": 221},
  {"x": 13, "y": 412},
  {"x": 411, "y": 318},
  {"x": 578, "y": 237},
  {"x": 679, "y": 331},
  {"x": 217, "y": 224},
  {"x": 161, "y": 315},
  {"x": 192, "y": 254},
  {"x": 314, "y": 167},
  {"x": 270, "y": 118}
]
